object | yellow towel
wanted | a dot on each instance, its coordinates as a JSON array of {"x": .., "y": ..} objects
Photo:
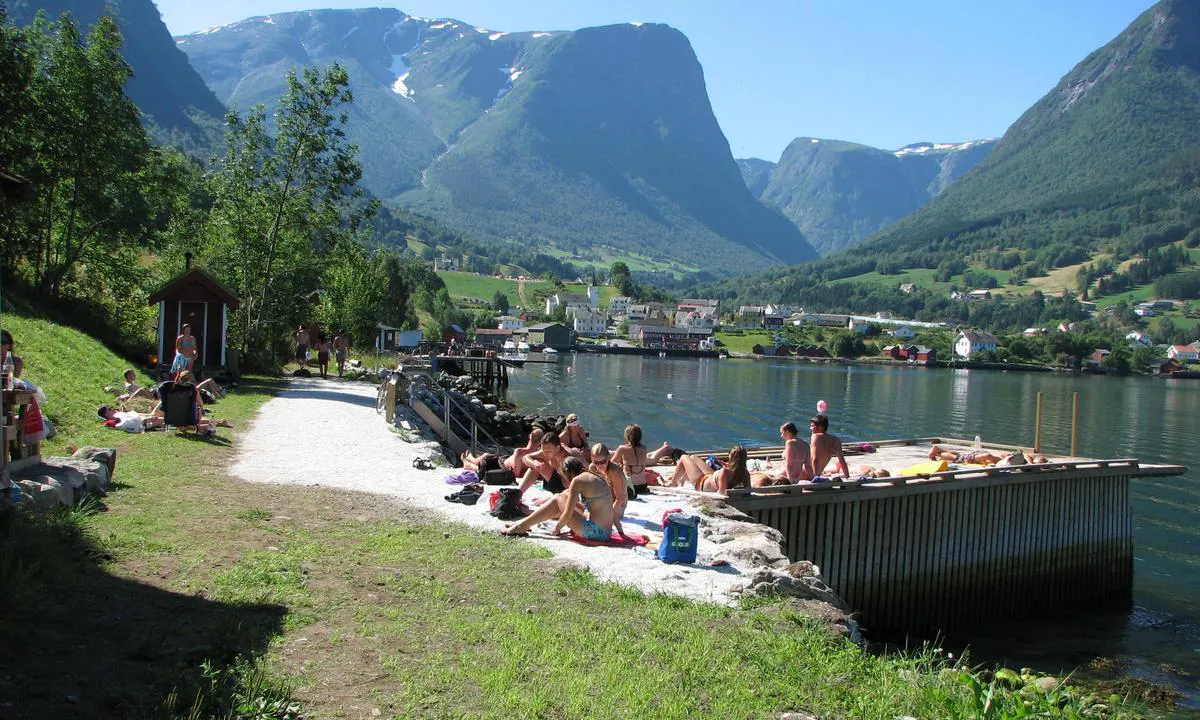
[{"x": 925, "y": 468}]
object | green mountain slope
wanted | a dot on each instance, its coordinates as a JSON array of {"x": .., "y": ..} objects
[
  {"x": 572, "y": 140},
  {"x": 839, "y": 193},
  {"x": 1106, "y": 165},
  {"x": 176, "y": 104}
]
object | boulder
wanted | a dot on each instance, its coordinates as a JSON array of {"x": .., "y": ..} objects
[
  {"x": 82, "y": 474},
  {"x": 108, "y": 456},
  {"x": 46, "y": 495},
  {"x": 769, "y": 581}
]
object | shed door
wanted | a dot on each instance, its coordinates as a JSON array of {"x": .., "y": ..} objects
[{"x": 192, "y": 313}]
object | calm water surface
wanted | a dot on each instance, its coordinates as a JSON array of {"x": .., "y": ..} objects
[{"x": 710, "y": 403}]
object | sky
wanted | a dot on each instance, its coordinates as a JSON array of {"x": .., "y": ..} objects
[{"x": 877, "y": 72}]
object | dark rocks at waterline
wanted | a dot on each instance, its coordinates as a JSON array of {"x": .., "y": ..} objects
[{"x": 475, "y": 402}]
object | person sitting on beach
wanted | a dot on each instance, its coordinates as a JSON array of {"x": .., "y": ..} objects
[
  {"x": 478, "y": 464},
  {"x": 516, "y": 461},
  {"x": 575, "y": 438},
  {"x": 826, "y": 447},
  {"x": 964, "y": 457},
  {"x": 603, "y": 466},
  {"x": 207, "y": 384},
  {"x": 632, "y": 458},
  {"x": 690, "y": 468},
  {"x": 735, "y": 474},
  {"x": 130, "y": 390},
  {"x": 796, "y": 465},
  {"x": 586, "y": 488},
  {"x": 136, "y": 422},
  {"x": 543, "y": 465}
]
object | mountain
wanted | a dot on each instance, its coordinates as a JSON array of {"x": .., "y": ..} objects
[
  {"x": 839, "y": 193},
  {"x": 1104, "y": 169},
  {"x": 598, "y": 141},
  {"x": 756, "y": 174},
  {"x": 176, "y": 105}
]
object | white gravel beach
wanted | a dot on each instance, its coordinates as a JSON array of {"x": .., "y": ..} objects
[{"x": 336, "y": 421}]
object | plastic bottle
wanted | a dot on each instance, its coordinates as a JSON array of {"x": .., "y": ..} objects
[
  {"x": 978, "y": 443},
  {"x": 8, "y": 370}
]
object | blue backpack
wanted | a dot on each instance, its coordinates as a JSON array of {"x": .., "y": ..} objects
[{"x": 681, "y": 534}]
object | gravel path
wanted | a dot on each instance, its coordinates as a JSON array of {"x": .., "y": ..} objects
[{"x": 336, "y": 422}]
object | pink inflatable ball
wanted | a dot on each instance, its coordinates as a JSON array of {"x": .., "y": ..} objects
[{"x": 822, "y": 406}]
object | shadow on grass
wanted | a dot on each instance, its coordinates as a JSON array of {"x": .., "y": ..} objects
[{"x": 78, "y": 641}]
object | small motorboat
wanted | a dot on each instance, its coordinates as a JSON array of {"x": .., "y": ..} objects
[
  {"x": 522, "y": 347},
  {"x": 509, "y": 347}
]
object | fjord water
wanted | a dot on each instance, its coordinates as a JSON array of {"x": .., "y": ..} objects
[{"x": 709, "y": 403}]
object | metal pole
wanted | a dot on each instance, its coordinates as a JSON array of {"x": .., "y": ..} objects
[
  {"x": 1037, "y": 425},
  {"x": 1075, "y": 424}
]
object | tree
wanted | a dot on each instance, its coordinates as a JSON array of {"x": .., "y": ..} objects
[
  {"x": 72, "y": 131},
  {"x": 1145, "y": 358},
  {"x": 621, "y": 279},
  {"x": 284, "y": 202},
  {"x": 1117, "y": 361},
  {"x": 500, "y": 302}
]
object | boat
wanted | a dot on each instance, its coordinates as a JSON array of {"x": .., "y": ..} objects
[
  {"x": 522, "y": 347},
  {"x": 550, "y": 354},
  {"x": 509, "y": 347}
]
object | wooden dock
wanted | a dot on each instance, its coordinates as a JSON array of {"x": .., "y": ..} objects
[{"x": 941, "y": 551}]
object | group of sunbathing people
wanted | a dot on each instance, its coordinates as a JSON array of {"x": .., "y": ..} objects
[
  {"x": 592, "y": 484},
  {"x": 136, "y": 422}
]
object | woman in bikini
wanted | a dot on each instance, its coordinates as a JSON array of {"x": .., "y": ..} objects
[
  {"x": 735, "y": 474},
  {"x": 689, "y": 469},
  {"x": 583, "y": 487},
  {"x": 632, "y": 457},
  {"x": 185, "y": 351},
  {"x": 543, "y": 465},
  {"x": 575, "y": 438},
  {"x": 603, "y": 466}
]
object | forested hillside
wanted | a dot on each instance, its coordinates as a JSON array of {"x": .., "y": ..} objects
[{"x": 1097, "y": 179}]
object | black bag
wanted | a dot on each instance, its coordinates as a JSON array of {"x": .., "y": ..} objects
[
  {"x": 508, "y": 505},
  {"x": 488, "y": 463},
  {"x": 501, "y": 476}
]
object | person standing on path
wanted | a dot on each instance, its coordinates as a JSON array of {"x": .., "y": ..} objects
[
  {"x": 301, "y": 345},
  {"x": 323, "y": 357},
  {"x": 341, "y": 344}
]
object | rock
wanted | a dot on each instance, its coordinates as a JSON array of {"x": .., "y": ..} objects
[
  {"x": 108, "y": 456},
  {"x": 1047, "y": 684},
  {"x": 45, "y": 495}
]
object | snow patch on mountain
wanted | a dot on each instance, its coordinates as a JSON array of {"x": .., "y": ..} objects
[
  {"x": 542, "y": 34},
  {"x": 925, "y": 147},
  {"x": 399, "y": 67},
  {"x": 496, "y": 36},
  {"x": 513, "y": 73}
]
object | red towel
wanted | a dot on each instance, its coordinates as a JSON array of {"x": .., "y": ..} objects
[{"x": 614, "y": 540}]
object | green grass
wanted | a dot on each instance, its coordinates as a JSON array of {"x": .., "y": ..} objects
[
  {"x": 745, "y": 340},
  {"x": 484, "y": 287},
  {"x": 251, "y": 593},
  {"x": 606, "y": 256}
]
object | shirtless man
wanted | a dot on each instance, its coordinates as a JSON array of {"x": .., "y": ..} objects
[
  {"x": 826, "y": 447},
  {"x": 341, "y": 345},
  {"x": 301, "y": 345},
  {"x": 543, "y": 465},
  {"x": 797, "y": 461}
]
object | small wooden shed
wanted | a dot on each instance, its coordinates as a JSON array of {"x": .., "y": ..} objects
[{"x": 197, "y": 299}]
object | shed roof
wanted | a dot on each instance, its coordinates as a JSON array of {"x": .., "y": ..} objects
[{"x": 199, "y": 276}]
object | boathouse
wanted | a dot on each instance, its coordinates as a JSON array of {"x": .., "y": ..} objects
[
  {"x": 194, "y": 298},
  {"x": 551, "y": 334}
]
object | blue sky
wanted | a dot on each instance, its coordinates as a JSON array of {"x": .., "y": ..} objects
[{"x": 878, "y": 72}]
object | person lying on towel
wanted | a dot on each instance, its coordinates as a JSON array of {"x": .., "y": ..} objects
[{"x": 583, "y": 488}]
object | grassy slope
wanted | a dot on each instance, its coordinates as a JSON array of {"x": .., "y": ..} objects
[{"x": 362, "y": 604}]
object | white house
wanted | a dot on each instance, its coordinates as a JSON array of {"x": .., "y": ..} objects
[
  {"x": 509, "y": 322},
  {"x": 1184, "y": 353},
  {"x": 1144, "y": 311},
  {"x": 587, "y": 322},
  {"x": 904, "y": 332},
  {"x": 977, "y": 295},
  {"x": 702, "y": 318},
  {"x": 1138, "y": 338},
  {"x": 619, "y": 305},
  {"x": 569, "y": 300},
  {"x": 970, "y": 342}
]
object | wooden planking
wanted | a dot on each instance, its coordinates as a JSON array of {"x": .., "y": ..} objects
[{"x": 943, "y": 556}]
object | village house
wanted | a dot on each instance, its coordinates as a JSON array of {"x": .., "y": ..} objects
[
  {"x": 702, "y": 318},
  {"x": 1136, "y": 338},
  {"x": 446, "y": 264},
  {"x": 1034, "y": 332},
  {"x": 1144, "y": 311},
  {"x": 454, "y": 332},
  {"x": 977, "y": 295},
  {"x": 668, "y": 337},
  {"x": 492, "y": 337},
  {"x": 824, "y": 320},
  {"x": 619, "y": 305},
  {"x": 690, "y": 304},
  {"x": 907, "y": 288},
  {"x": 589, "y": 323},
  {"x": 569, "y": 300},
  {"x": 1184, "y": 353},
  {"x": 550, "y": 334},
  {"x": 970, "y": 342},
  {"x": 509, "y": 322}
]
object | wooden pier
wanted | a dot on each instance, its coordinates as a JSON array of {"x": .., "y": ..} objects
[{"x": 942, "y": 551}]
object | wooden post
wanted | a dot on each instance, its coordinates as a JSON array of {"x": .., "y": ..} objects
[
  {"x": 1037, "y": 425},
  {"x": 1075, "y": 424}
]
